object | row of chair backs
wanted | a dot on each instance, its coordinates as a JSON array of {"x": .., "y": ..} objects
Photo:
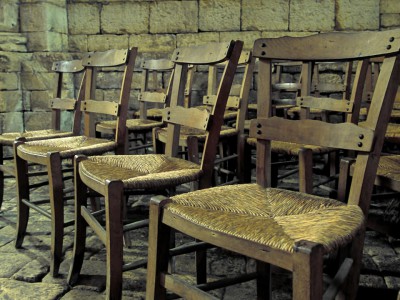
[{"x": 367, "y": 141}]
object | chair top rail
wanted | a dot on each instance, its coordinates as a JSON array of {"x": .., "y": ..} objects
[
  {"x": 190, "y": 117},
  {"x": 158, "y": 65},
  {"x": 313, "y": 132},
  {"x": 315, "y": 48},
  {"x": 216, "y": 53},
  {"x": 67, "y": 66},
  {"x": 101, "y": 107},
  {"x": 110, "y": 58},
  {"x": 325, "y": 103}
]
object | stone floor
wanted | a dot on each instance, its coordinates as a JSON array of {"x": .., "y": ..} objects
[{"x": 24, "y": 272}]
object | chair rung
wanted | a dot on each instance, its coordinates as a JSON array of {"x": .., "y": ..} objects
[
  {"x": 338, "y": 280},
  {"x": 7, "y": 170},
  {"x": 94, "y": 224},
  {"x": 136, "y": 225},
  {"x": 98, "y": 212},
  {"x": 223, "y": 159},
  {"x": 134, "y": 265},
  {"x": 38, "y": 185},
  {"x": 189, "y": 247},
  {"x": 227, "y": 282},
  {"x": 69, "y": 223},
  {"x": 35, "y": 207},
  {"x": 288, "y": 174}
]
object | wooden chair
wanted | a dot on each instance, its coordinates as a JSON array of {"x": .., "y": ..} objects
[
  {"x": 112, "y": 176},
  {"x": 52, "y": 153},
  {"x": 191, "y": 138},
  {"x": 150, "y": 93},
  {"x": 60, "y": 102},
  {"x": 292, "y": 230},
  {"x": 311, "y": 102}
]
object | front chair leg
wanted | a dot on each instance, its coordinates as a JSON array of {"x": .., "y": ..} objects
[
  {"x": 57, "y": 210},
  {"x": 159, "y": 238},
  {"x": 305, "y": 170},
  {"x": 114, "y": 238},
  {"x": 22, "y": 180},
  {"x": 80, "y": 224}
]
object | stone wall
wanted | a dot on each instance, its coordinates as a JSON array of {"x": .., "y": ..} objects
[{"x": 34, "y": 33}]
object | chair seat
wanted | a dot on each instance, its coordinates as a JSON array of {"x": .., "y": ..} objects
[
  {"x": 272, "y": 217},
  {"x": 226, "y": 131},
  {"x": 392, "y": 133},
  {"x": 67, "y": 147},
  {"x": 149, "y": 171},
  {"x": 131, "y": 125},
  {"x": 152, "y": 113},
  {"x": 291, "y": 148},
  {"x": 395, "y": 115},
  {"x": 9, "y": 137}
]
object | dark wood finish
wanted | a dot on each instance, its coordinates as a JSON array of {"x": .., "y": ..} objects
[{"x": 307, "y": 258}]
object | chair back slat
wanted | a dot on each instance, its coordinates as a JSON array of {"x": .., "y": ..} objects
[
  {"x": 155, "y": 97},
  {"x": 325, "y": 103},
  {"x": 63, "y": 103},
  {"x": 100, "y": 107},
  {"x": 190, "y": 117},
  {"x": 211, "y": 53},
  {"x": 71, "y": 66}
]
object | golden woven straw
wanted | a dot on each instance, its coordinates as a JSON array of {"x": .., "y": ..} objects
[
  {"x": 393, "y": 133},
  {"x": 131, "y": 124},
  {"x": 291, "y": 148},
  {"x": 226, "y": 131},
  {"x": 69, "y": 146},
  {"x": 272, "y": 217},
  {"x": 9, "y": 138},
  {"x": 152, "y": 113},
  {"x": 150, "y": 171},
  {"x": 389, "y": 166}
]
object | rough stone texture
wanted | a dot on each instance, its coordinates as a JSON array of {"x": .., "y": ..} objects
[
  {"x": 37, "y": 81},
  {"x": 14, "y": 289},
  {"x": 389, "y": 6},
  {"x": 9, "y": 81},
  {"x": 247, "y": 37},
  {"x": 37, "y": 120},
  {"x": 47, "y": 41},
  {"x": 107, "y": 42},
  {"x": 191, "y": 39},
  {"x": 164, "y": 16},
  {"x": 149, "y": 43},
  {"x": 219, "y": 15},
  {"x": 10, "y": 101},
  {"x": 83, "y": 18},
  {"x": 121, "y": 18},
  {"x": 390, "y": 20},
  {"x": 13, "y": 122},
  {"x": 312, "y": 15},
  {"x": 43, "y": 17},
  {"x": 39, "y": 100},
  {"x": 9, "y": 16},
  {"x": 357, "y": 15},
  {"x": 12, "y": 42},
  {"x": 270, "y": 15},
  {"x": 78, "y": 43}
]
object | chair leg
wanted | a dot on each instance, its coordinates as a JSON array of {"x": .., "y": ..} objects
[
  {"x": 114, "y": 238},
  {"x": 57, "y": 210},
  {"x": 305, "y": 170},
  {"x": 244, "y": 160},
  {"x": 307, "y": 271},
  {"x": 22, "y": 181},
  {"x": 159, "y": 237},
  {"x": 80, "y": 226},
  {"x": 264, "y": 287}
]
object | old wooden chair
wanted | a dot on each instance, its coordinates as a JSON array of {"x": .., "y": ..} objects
[
  {"x": 62, "y": 100},
  {"x": 53, "y": 152},
  {"x": 152, "y": 91},
  {"x": 292, "y": 230},
  {"x": 114, "y": 176},
  {"x": 191, "y": 138}
]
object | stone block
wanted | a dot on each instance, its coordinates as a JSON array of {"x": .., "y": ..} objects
[
  {"x": 37, "y": 81},
  {"x": 357, "y": 15},
  {"x": 12, "y": 42},
  {"x": 389, "y": 6},
  {"x": 15, "y": 289},
  {"x": 312, "y": 15},
  {"x": 37, "y": 120},
  {"x": 83, "y": 18},
  {"x": 248, "y": 37},
  {"x": 265, "y": 15},
  {"x": 193, "y": 39},
  {"x": 43, "y": 61},
  {"x": 10, "y": 101},
  {"x": 153, "y": 42},
  {"x": 39, "y": 100},
  {"x": 164, "y": 16},
  {"x": 219, "y": 15},
  {"x": 43, "y": 17},
  {"x": 276, "y": 34},
  {"x": 107, "y": 42},
  {"x": 47, "y": 41},
  {"x": 390, "y": 20},
  {"x": 9, "y": 81},
  {"x": 9, "y": 16},
  {"x": 78, "y": 43},
  {"x": 109, "y": 80},
  {"x": 11, "y": 61},
  {"x": 13, "y": 122},
  {"x": 121, "y": 18}
]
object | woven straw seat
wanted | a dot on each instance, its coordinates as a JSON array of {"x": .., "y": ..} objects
[
  {"x": 9, "y": 137},
  {"x": 152, "y": 113},
  {"x": 148, "y": 171},
  {"x": 392, "y": 134},
  {"x": 289, "y": 216},
  {"x": 67, "y": 147},
  {"x": 131, "y": 124},
  {"x": 291, "y": 148}
]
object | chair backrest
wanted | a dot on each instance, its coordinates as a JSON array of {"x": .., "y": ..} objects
[
  {"x": 92, "y": 63},
  {"x": 177, "y": 115},
  {"x": 239, "y": 94},
  {"x": 152, "y": 89},
  {"x": 58, "y": 102},
  {"x": 366, "y": 140}
]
